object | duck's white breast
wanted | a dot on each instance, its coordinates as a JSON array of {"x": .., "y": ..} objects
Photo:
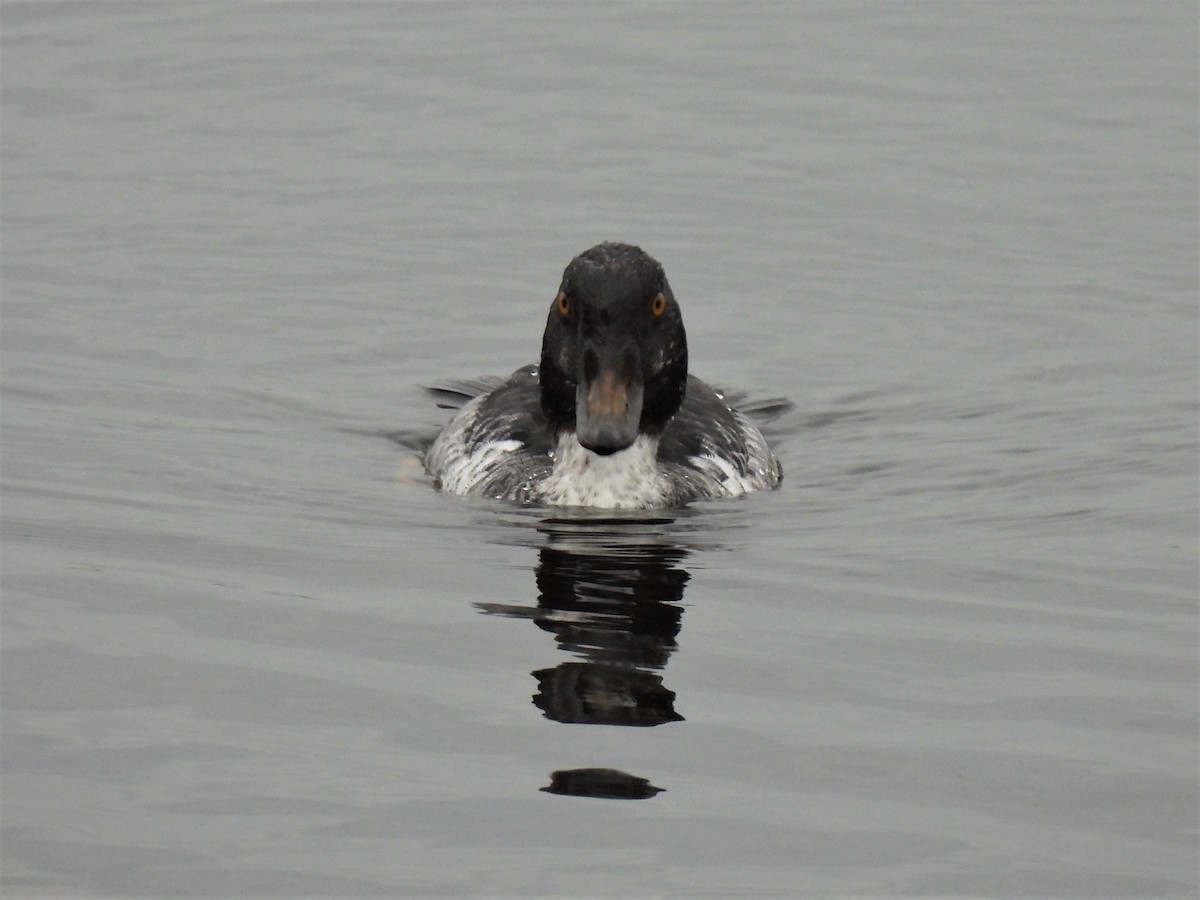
[{"x": 629, "y": 479}]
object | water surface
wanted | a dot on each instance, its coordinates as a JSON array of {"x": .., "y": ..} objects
[{"x": 247, "y": 650}]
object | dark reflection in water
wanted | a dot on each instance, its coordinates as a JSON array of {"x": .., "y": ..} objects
[
  {"x": 610, "y": 591},
  {"x": 603, "y": 695},
  {"x": 609, "y": 783}
]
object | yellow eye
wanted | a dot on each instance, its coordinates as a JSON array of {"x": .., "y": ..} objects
[
  {"x": 659, "y": 305},
  {"x": 562, "y": 304}
]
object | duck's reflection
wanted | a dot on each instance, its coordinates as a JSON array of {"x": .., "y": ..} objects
[
  {"x": 610, "y": 591},
  {"x": 603, "y": 695},
  {"x": 609, "y": 783}
]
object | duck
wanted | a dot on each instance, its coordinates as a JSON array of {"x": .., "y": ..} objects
[{"x": 609, "y": 418}]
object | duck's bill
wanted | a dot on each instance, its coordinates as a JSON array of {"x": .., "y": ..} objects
[{"x": 608, "y": 401}]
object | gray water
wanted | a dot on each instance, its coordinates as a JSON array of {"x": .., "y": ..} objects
[{"x": 247, "y": 649}]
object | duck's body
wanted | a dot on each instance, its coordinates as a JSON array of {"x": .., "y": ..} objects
[
  {"x": 499, "y": 446},
  {"x": 610, "y": 418}
]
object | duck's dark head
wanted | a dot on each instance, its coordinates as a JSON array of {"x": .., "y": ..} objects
[{"x": 614, "y": 355}]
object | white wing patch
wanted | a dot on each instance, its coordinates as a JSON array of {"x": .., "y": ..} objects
[
  {"x": 731, "y": 481},
  {"x": 754, "y": 469},
  {"x": 448, "y": 460}
]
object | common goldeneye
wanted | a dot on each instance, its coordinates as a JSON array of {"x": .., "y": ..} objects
[{"x": 610, "y": 418}]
